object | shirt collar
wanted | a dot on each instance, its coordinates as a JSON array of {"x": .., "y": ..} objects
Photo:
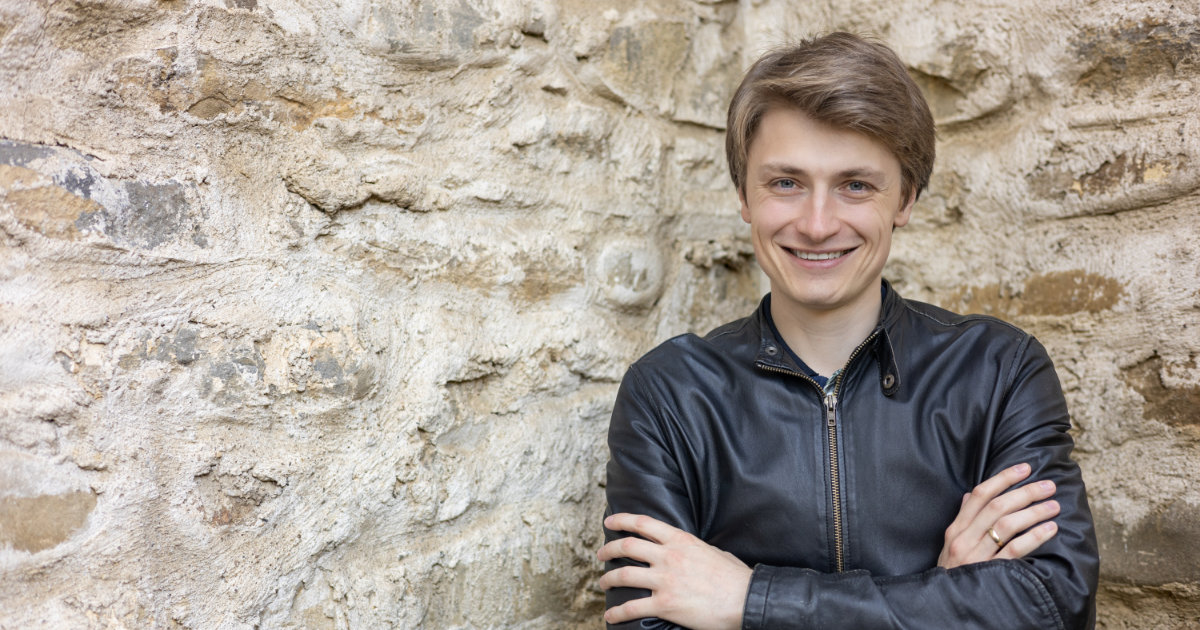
[{"x": 774, "y": 353}]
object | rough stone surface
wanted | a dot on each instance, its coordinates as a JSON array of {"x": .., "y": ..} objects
[{"x": 311, "y": 314}]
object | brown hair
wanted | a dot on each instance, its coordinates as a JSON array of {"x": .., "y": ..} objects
[{"x": 845, "y": 81}]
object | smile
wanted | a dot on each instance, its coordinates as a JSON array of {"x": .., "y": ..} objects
[{"x": 802, "y": 255}]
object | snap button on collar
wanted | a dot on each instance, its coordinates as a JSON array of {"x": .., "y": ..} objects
[
  {"x": 772, "y": 350},
  {"x": 888, "y": 381}
]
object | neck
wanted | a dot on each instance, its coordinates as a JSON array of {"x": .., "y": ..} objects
[{"x": 824, "y": 339}]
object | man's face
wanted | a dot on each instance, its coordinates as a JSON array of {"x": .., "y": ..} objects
[{"x": 821, "y": 203}]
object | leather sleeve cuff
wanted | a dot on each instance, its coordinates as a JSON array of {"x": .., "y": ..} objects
[{"x": 755, "y": 612}]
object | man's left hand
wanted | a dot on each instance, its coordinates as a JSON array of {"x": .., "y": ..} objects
[{"x": 692, "y": 583}]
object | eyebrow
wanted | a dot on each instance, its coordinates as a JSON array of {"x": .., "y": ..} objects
[{"x": 861, "y": 172}]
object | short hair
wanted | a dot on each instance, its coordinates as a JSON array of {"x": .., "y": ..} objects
[{"x": 843, "y": 80}]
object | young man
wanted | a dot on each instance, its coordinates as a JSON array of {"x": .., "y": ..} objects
[{"x": 842, "y": 458}]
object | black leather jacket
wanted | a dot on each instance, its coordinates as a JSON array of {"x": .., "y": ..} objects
[{"x": 840, "y": 503}]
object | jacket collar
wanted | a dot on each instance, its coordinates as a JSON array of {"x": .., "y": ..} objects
[{"x": 772, "y": 355}]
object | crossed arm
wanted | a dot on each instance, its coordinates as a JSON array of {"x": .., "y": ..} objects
[
  {"x": 1045, "y": 577},
  {"x": 699, "y": 586}
]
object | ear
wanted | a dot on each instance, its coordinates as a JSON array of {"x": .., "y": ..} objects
[
  {"x": 745, "y": 208},
  {"x": 905, "y": 212}
]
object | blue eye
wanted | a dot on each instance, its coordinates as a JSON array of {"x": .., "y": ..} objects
[
  {"x": 786, "y": 183},
  {"x": 857, "y": 187}
]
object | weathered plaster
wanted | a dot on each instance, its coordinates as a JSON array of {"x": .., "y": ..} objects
[{"x": 311, "y": 314}]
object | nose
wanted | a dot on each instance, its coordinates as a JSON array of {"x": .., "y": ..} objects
[{"x": 816, "y": 218}]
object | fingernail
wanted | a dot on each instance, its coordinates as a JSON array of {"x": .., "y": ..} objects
[
  {"x": 1048, "y": 486},
  {"x": 1022, "y": 469},
  {"x": 1052, "y": 506},
  {"x": 1049, "y": 526}
]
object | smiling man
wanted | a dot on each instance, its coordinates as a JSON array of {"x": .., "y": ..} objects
[{"x": 843, "y": 457}]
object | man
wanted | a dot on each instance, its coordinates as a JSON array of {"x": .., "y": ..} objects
[{"x": 842, "y": 457}]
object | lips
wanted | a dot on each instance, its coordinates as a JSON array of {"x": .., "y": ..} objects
[{"x": 806, "y": 255}]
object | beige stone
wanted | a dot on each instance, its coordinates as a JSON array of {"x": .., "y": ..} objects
[
  {"x": 32, "y": 524},
  {"x": 312, "y": 314}
]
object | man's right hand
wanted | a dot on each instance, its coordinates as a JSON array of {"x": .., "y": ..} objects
[
  {"x": 691, "y": 582},
  {"x": 988, "y": 513}
]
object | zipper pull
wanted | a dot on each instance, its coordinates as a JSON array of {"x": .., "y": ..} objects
[{"x": 830, "y": 403}]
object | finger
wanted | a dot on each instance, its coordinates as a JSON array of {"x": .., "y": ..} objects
[
  {"x": 1015, "y": 523},
  {"x": 994, "y": 486},
  {"x": 983, "y": 493},
  {"x": 642, "y": 525},
  {"x": 632, "y": 577},
  {"x": 632, "y": 609},
  {"x": 1014, "y": 501},
  {"x": 1028, "y": 542},
  {"x": 1006, "y": 504},
  {"x": 632, "y": 548}
]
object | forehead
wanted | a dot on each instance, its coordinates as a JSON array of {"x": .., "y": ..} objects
[{"x": 788, "y": 136}]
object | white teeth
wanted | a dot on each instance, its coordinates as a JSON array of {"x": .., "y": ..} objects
[{"x": 812, "y": 256}]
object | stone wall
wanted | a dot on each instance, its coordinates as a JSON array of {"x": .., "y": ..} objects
[{"x": 311, "y": 314}]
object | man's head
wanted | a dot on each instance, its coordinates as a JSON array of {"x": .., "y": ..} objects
[{"x": 845, "y": 82}]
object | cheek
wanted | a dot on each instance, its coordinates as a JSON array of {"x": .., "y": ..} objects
[
  {"x": 773, "y": 213},
  {"x": 762, "y": 238},
  {"x": 766, "y": 229},
  {"x": 884, "y": 244}
]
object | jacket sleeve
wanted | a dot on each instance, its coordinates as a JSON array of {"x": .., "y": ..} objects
[
  {"x": 1053, "y": 587},
  {"x": 643, "y": 477}
]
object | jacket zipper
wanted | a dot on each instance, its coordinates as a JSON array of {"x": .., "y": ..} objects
[
  {"x": 831, "y": 400},
  {"x": 835, "y": 482}
]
